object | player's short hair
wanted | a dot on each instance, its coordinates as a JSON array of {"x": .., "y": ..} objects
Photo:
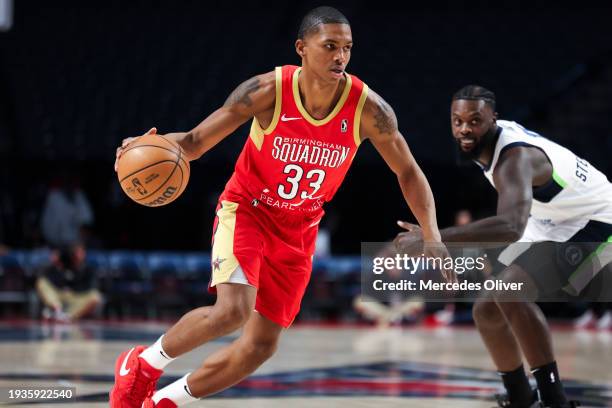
[
  {"x": 320, "y": 15},
  {"x": 476, "y": 93}
]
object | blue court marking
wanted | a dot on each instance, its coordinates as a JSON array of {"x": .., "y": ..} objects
[{"x": 384, "y": 379}]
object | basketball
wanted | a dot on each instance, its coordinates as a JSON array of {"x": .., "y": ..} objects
[{"x": 153, "y": 171}]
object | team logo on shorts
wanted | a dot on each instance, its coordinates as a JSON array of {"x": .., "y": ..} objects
[
  {"x": 573, "y": 255},
  {"x": 216, "y": 263},
  {"x": 344, "y": 125}
]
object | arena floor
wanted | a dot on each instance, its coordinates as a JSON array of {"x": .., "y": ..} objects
[{"x": 316, "y": 366}]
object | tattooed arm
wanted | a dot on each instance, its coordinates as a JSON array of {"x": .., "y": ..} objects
[
  {"x": 379, "y": 124},
  {"x": 253, "y": 97}
]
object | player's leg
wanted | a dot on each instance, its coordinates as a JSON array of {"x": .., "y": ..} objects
[
  {"x": 258, "y": 342},
  {"x": 231, "y": 311},
  {"x": 497, "y": 335},
  {"x": 137, "y": 370},
  {"x": 225, "y": 367},
  {"x": 233, "y": 308},
  {"x": 504, "y": 349},
  {"x": 533, "y": 335},
  {"x": 527, "y": 320},
  {"x": 235, "y": 235}
]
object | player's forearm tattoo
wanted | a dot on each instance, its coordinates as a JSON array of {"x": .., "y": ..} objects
[
  {"x": 386, "y": 122},
  {"x": 241, "y": 94}
]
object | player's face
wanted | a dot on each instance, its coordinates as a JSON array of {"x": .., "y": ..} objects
[
  {"x": 471, "y": 122},
  {"x": 327, "y": 51}
]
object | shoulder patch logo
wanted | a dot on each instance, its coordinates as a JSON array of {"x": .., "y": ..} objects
[{"x": 344, "y": 126}]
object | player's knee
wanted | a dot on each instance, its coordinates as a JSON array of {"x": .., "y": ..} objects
[
  {"x": 231, "y": 316},
  {"x": 487, "y": 313},
  {"x": 517, "y": 310},
  {"x": 260, "y": 349}
]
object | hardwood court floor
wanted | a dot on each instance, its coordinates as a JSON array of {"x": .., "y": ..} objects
[{"x": 315, "y": 366}]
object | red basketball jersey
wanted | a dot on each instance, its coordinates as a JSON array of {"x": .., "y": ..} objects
[{"x": 298, "y": 162}]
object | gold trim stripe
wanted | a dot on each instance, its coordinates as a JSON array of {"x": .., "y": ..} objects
[
  {"x": 279, "y": 99},
  {"x": 358, "y": 111},
  {"x": 224, "y": 263},
  {"x": 304, "y": 112},
  {"x": 257, "y": 134}
]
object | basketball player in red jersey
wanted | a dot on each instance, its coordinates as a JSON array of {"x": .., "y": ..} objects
[{"x": 307, "y": 123}]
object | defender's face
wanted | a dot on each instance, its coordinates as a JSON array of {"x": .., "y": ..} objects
[
  {"x": 470, "y": 122},
  {"x": 327, "y": 51}
]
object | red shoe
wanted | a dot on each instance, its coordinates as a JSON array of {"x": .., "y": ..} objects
[
  {"x": 163, "y": 403},
  {"x": 135, "y": 380}
]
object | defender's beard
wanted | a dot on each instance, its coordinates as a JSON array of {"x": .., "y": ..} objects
[{"x": 474, "y": 154}]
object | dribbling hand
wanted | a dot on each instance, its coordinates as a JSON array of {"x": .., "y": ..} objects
[{"x": 126, "y": 142}]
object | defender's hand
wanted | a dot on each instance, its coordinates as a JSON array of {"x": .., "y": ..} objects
[
  {"x": 126, "y": 142},
  {"x": 412, "y": 243},
  {"x": 438, "y": 250}
]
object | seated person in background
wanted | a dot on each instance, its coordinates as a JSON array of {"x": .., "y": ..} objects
[
  {"x": 67, "y": 287},
  {"x": 398, "y": 309}
]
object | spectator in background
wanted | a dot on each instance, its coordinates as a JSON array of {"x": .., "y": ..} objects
[
  {"x": 327, "y": 228},
  {"x": 463, "y": 217},
  {"x": 66, "y": 211},
  {"x": 597, "y": 315},
  {"x": 400, "y": 308},
  {"x": 67, "y": 287}
]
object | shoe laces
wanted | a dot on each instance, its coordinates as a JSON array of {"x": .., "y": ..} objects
[{"x": 142, "y": 387}]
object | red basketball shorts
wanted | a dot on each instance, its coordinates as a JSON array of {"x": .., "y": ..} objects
[{"x": 266, "y": 248}]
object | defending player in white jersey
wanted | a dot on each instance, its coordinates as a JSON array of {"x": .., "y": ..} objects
[{"x": 546, "y": 196}]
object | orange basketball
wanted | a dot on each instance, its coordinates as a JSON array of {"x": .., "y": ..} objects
[{"x": 153, "y": 171}]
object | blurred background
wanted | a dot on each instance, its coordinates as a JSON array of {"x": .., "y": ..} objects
[{"x": 77, "y": 77}]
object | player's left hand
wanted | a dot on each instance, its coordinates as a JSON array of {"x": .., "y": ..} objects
[{"x": 412, "y": 242}]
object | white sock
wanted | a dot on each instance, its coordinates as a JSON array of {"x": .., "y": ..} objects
[
  {"x": 177, "y": 392},
  {"x": 156, "y": 356}
]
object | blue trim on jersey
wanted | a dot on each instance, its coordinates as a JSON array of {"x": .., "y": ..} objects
[{"x": 546, "y": 192}]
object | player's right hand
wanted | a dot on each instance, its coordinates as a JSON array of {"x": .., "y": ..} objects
[{"x": 126, "y": 142}]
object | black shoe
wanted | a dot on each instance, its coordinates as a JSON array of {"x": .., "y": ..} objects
[
  {"x": 569, "y": 404},
  {"x": 504, "y": 402}
]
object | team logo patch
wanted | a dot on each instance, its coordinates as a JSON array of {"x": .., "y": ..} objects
[
  {"x": 344, "y": 126},
  {"x": 216, "y": 263},
  {"x": 573, "y": 255}
]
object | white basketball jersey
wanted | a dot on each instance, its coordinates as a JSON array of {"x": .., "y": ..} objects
[{"x": 577, "y": 192}]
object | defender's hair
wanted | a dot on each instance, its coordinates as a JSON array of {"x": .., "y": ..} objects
[{"x": 476, "y": 93}]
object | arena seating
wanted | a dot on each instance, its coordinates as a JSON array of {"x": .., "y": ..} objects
[{"x": 151, "y": 284}]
